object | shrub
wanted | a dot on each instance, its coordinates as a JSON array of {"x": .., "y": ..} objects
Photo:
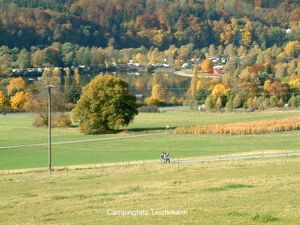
[
  {"x": 229, "y": 106},
  {"x": 280, "y": 103},
  {"x": 249, "y": 103},
  {"x": 261, "y": 102},
  {"x": 149, "y": 109},
  {"x": 62, "y": 121},
  {"x": 293, "y": 102},
  {"x": 58, "y": 120},
  {"x": 298, "y": 100},
  {"x": 192, "y": 104},
  {"x": 153, "y": 101},
  {"x": 266, "y": 103},
  {"x": 173, "y": 100},
  {"x": 219, "y": 104},
  {"x": 255, "y": 103},
  {"x": 237, "y": 102},
  {"x": 209, "y": 103},
  {"x": 274, "y": 101},
  {"x": 40, "y": 121}
]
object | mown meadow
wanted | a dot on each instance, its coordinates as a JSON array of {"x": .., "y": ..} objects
[{"x": 31, "y": 143}]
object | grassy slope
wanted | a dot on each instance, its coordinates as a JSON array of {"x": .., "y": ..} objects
[
  {"x": 16, "y": 130},
  {"x": 251, "y": 192}
]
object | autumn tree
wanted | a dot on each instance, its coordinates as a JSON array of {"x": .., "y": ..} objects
[
  {"x": 292, "y": 49},
  {"x": 106, "y": 104},
  {"x": 219, "y": 91},
  {"x": 157, "y": 92},
  {"x": 2, "y": 99},
  {"x": 156, "y": 97},
  {"x": 15, "y": 85},
  {"x": 247, "y": 35},
  {"x": 19, "y": 100},
  {"x": 194, "y": 82},
  {"x": 230, "y": 32},
  {"x": 207, "y": 66}
]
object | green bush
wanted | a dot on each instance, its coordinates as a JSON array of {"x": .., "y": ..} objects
[
  {"x": 209, "y": 103},
  {"x": 293, "y": 102},
  {"x": 229, "y": 106},
  {"x": 274, "y": 101},
  {"x": 237, "y": 102},
  {"x": 266, "y": 103}
]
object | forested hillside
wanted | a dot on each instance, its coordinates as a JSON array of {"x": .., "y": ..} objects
[{"x": 149, "y": 23}]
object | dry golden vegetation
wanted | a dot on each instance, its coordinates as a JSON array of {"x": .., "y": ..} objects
[{"x": 244, "y": 128}]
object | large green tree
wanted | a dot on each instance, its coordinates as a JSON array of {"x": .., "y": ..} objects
[{"x": 105, "y": 104}]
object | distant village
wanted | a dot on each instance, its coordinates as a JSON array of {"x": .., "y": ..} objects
[{"x": 131, "y": 68}]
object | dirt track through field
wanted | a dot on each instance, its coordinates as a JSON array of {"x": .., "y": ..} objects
[{"x": 239, "y": 157}]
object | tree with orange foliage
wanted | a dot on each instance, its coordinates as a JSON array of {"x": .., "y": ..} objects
[
  {"x": 275, "y": 89},
  {"x": 19, "y": 100},
  {"x": 2, "y": 99},
  {"x": 207, "y": 66},
  {"x": 15, "y": 85},
  {"x": 157, "y": 92}
]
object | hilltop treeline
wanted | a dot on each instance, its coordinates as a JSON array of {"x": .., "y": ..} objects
[{"x": 149, "y": 23}]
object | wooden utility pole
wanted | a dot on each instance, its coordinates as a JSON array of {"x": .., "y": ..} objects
[{"x": 49, "y": 129}]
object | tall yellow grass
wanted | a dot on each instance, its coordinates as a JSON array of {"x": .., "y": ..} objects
[{"x": 245, "y": 128}]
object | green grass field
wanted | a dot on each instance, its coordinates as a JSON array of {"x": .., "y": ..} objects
[
  {"x": 17, "y": 130},
  {"x": 252, "y": 192}
]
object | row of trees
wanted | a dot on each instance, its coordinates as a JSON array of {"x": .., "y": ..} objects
[{"x": 69, "y": 55}]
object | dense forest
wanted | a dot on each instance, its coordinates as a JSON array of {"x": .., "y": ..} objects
[
  {"x": 259, "y": 41},
  {"x": 149, "y": 23}
]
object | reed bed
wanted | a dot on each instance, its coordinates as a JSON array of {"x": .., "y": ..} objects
[{"x": 245, "y": 128}]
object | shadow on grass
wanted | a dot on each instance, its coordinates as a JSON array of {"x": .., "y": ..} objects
[
  {"x": 90, "y": 177},
  {"x": 126, "y": 192},
  {"x": 146, "y": 129},
  {"x": 228, "y": 187},
  {"x": 265, "y": 218},
  {"x": 132, "y": 130}
]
